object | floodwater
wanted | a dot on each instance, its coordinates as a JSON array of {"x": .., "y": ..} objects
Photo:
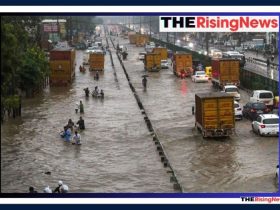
[
  {"x": 243, "y": 163},
  {"x": 117, "y": 152}
]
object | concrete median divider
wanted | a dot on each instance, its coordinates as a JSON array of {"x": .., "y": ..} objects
[{"x": 159, "y": 147}]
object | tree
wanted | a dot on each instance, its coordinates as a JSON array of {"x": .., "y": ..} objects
[{"x": 23, "y": 64}]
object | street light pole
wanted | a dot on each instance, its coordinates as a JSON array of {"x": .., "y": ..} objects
[
  {"x": 140, "y": 26},
  {"x": 150, "y": 25}
]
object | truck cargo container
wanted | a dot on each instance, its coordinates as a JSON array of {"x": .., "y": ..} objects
[
  {"x": 152, "y": 62},
  {"x": 214, "y": 114},
  {"x": 62, "y": 66},
  {"x": 162, "y": 51},
  {"x": 96, "y": 61},
  {"x": 225, "y": 72},
  {"x": 141, "y": 40},
  {"x": 182, "y": 64},
  {"x": 132, "y": 38}
]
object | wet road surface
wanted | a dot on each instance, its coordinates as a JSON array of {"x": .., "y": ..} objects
[
  {"x": 243, "y": 163},
  {"x": 118, "y": 154}
]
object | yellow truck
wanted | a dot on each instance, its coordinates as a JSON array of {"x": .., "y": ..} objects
[
  {"x": 96, "y": 61},
  {"x": 214, "y": 114},
  {"x": 132, "y": 38},
  {"x": 62, "y": 66},
  {"x": 225, "y": 71},
  {"x": 141, "y": 40},
  {"x": 162, "y": 51},
  {"x": 152, "y": 62},
  {"x": 182, "y": 64}
]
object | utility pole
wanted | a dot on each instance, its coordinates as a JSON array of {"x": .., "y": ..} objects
[
  {"x": 140, "y": 25},
  {"x": 58, "y": 32},
  {"x": 133, "y": 22},
  {"x": 150, "y": 25},
  {"x": 71, "y": 30},
  {"x": 207, "y": 41}
]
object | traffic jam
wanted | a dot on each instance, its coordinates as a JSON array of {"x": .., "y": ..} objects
[
  {"x": 147, "y": 111},
  {"x": 221, "y": 107}
]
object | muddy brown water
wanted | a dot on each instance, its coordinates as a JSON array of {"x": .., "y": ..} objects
[{"x": 117, "y": 152}]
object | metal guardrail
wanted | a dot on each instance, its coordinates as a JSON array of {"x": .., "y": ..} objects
[{"x": 260, "y": 62}]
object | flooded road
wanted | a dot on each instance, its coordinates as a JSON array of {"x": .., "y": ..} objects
[
  {"x": 118, "y": 154},
  {"x": 243, "y": 163}
]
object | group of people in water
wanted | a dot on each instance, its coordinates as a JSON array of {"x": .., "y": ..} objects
[
  {"x": 61, "y": 188},
  {"x": 95, "y": 92},
  {"x": 70, "y": 128}
]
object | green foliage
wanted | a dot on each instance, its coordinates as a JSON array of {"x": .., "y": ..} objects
[
  {"x": 12, "y": 102},
  {"x": 34, "y": 68},
  {"x": 23, "y": 63}
]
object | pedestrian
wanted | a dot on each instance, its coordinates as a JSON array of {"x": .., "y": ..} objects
[
  {"x": 81, "y": 123},
  {"x": 77, "y": 108},
  {"x": 86, "y": 92},
  {"x": 68, "y": 135},
  {"x": 257, "y": 52},
  {"x": 47, "y": 190},
  {"x": 97, "y": 76},
  {"x": 31, "y": 190},
  {"x": 268, "y": 64},
  {"x": 57, "y": 189},
  {"x": 101, "y": 94},
  {"x": 81, "y": 107},
  {"x": 70, "y": 124},
  {"x": 64, "y": 189},
  {"x": 144, "y": 83},
  {"x": 272, "y": 58},
  {"x": 77, "y": 138}
]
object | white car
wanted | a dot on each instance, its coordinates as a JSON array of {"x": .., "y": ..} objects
[
  {"x": 142, "y": 55},
  {"x": 264, "y": 96},
  {"x": 266, "y": 124},
  {"x": 164, "y": 64},
  {"x": 277, "y": 174},
  {"x": 200, "y": 76},
  {"x": 232, "y": 90},
  {"x": 237, "y": 111}
]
